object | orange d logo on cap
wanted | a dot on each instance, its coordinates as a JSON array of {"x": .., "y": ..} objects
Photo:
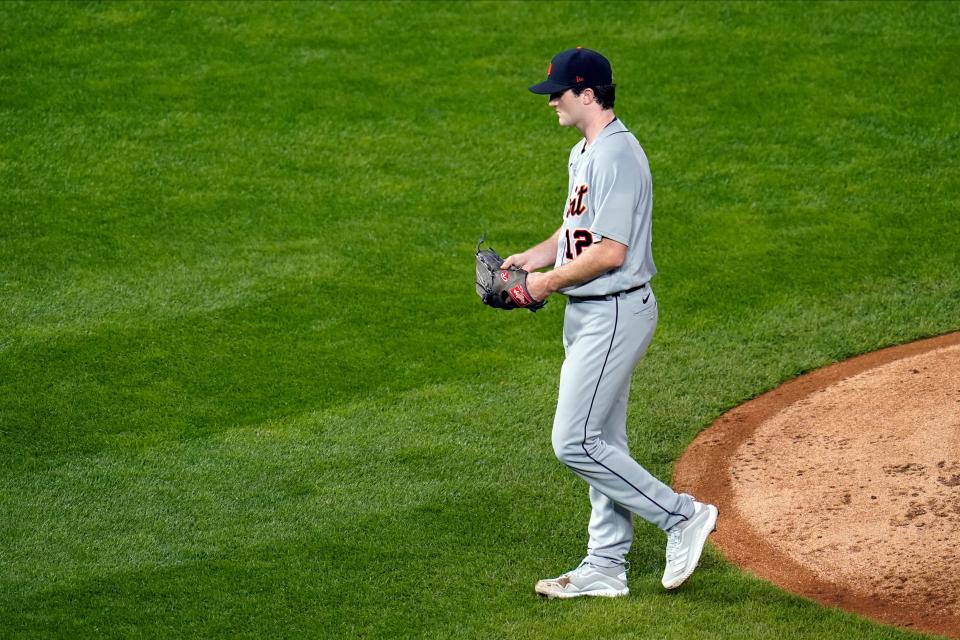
[{"x": 575, "y": 68}]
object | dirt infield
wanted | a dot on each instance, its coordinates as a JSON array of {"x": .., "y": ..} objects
[{"x": 843, "y": 485}]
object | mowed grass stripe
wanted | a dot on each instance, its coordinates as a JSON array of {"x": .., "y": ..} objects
[
  {"x": 121, "y": 539},
  {"x": 245, "y": 387}
]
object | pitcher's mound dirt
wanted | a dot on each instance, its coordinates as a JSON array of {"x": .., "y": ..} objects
[{"x": 843, "y": 485}]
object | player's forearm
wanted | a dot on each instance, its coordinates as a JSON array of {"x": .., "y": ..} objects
[
  {"x": 537, "y": 256},
  {"x": 594, "y": 261},
  {"x": 543, "y": 254}
]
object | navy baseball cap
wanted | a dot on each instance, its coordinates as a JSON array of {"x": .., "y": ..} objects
[{"x": 575, "y": 68}]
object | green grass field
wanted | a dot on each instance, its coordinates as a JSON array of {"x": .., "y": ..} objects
[{"x": 246, "y": 387}]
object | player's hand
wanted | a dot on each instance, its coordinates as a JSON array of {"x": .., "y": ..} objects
[
  {"x": 520, "y": 260},
  {"x": 512, "y": 261},
  {"x": 538, "y": 285}
]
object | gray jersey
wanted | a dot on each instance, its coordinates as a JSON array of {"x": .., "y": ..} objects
[{"x": 610, "y": 195}]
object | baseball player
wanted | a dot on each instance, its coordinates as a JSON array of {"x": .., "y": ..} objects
[{"x": 602, "y": 262}]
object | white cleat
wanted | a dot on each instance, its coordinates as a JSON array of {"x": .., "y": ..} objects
[
  {"x": 586, "y": 580},
  {"x": 685, "y": 544}
]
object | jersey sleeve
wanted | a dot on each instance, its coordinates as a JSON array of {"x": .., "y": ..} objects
[{"x": 618, "y": 182}]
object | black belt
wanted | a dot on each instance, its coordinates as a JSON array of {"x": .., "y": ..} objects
[{"x": 609, "y": 296}]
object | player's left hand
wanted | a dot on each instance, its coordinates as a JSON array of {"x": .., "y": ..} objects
[{"x": 538, "y": 285}]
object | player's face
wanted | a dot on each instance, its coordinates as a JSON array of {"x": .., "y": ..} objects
[{"x": 566, "y": 104}]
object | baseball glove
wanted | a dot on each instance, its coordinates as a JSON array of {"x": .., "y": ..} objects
[{"x": 502, "y": 288}]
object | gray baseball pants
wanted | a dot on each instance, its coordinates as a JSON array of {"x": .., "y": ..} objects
[{"x": 604, "y": 340}]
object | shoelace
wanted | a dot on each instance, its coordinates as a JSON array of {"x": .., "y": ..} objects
[
  {"x": 673, "y": 542},
  {"x": 580, "y": 567}
]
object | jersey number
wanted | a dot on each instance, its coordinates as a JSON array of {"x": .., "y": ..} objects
[{"x": 581, "y": 240}]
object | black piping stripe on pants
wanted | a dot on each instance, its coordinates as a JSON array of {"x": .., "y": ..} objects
[{"x": 583, "y": 444}]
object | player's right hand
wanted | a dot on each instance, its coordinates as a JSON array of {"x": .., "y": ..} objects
[{"x": 515, "y": 260}]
